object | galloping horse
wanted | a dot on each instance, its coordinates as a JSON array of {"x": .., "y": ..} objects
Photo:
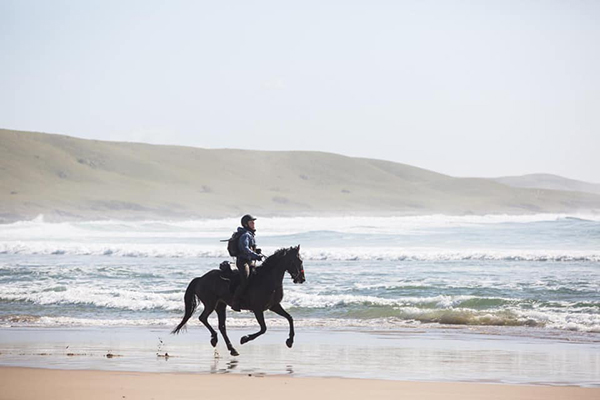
[{"x": 264, "y": 292}]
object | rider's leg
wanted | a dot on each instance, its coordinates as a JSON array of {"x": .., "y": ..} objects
[{"x": 244, "y": 271}]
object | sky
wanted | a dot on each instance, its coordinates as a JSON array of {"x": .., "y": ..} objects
[{"x": 466, "y": 88}]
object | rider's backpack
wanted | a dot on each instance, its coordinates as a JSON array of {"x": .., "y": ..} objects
[{"x": 232, "y": 244}]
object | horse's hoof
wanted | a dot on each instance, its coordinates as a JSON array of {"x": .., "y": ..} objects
[
  {"x": 289, "y": 343},
  {"x": 244, "y": 339},
  {"x": 234, "y": 352},
  {"x": 213, "y": 341}
]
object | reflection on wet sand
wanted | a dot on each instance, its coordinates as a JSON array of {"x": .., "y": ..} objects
[
  {"x": 230, "y": 366},
  {"x": 436, "y": 355}
]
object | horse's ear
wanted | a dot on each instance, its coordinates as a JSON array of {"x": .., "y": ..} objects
[{"x": 298, "y": 248}]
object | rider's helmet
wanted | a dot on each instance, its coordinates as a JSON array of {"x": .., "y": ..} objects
[{"x": 247, "y": 218}]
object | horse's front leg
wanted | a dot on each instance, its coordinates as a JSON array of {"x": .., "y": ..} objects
[
  {"x": 209, "y": 307},
  {"x": 221, "y": 307},
  {"x": 277, "y": 309},
  {"x": 260, "y": 317}
]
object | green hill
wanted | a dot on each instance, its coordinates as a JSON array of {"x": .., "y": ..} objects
[{"x": 65, "y": 178}]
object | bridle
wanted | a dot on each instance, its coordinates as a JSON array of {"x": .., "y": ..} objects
[{"x": 299, "y": 272}]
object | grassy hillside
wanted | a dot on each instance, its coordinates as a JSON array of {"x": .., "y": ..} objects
[
  {"x": 69, "y": 178},
  {"x": 549, "y": 181}
]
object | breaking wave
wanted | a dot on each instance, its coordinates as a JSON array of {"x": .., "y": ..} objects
[
  {"x": 334, "y": 254},
  {"x": 332, "y": 309}
]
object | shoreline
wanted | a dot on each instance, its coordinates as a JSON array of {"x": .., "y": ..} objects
[
  {"x": 410, "y": 354},
  {"x": 32, "y": 383}
]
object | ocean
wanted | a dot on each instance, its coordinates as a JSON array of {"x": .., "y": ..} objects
[
  {"x": 535, "y": 274},
  {"x": 499, "y": 299}
]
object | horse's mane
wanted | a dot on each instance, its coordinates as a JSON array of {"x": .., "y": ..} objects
[{"x": 273, "y": 259}]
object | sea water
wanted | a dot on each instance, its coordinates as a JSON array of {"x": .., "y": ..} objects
[{"x": 538, "y": 272}]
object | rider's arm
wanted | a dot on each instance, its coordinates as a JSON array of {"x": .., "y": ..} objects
[{"x": 246, "y": 250}]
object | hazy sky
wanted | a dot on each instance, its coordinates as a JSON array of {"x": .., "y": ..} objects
[{"x": 467, "y": 88}]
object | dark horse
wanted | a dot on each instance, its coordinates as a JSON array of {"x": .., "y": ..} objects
[{"x": 264, "y": 292}]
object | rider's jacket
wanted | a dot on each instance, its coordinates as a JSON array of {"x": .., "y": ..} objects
[{"x": 247, "y": 245}]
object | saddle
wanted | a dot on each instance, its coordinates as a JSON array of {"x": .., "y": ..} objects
[{"x": 228, "y": 274}]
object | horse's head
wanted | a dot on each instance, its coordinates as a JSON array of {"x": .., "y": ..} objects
[{"x": 295, "y": 266}]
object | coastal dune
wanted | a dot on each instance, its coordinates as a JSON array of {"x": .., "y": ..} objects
[
  {"x": 549, "y": 181},
  {"x": 16, "y": 384},
  {"x": 66, "y": 178}
]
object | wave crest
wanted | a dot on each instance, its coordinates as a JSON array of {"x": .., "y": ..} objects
[{"x": 308, "y": 253}]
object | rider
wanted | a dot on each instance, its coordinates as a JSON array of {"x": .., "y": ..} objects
[{"x": 248, "y": 253}]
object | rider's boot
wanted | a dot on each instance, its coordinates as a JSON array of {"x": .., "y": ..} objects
[{"x": 244, "y": 271}]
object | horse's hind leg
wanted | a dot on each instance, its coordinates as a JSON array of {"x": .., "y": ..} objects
[
  {"x": 221, "y": 313},
  {"x": 260, "y": 317},
  {"x": 209, "y": 307},
  {"x": 277, "y": 309}
]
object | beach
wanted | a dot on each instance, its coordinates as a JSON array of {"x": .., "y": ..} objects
[
  {"x": 148, "y": 363},
  {"x": 64, "y": 385},
  {"x": 442, "y": 354}
]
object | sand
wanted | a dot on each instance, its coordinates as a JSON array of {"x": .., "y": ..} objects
[{"x": 26, "y": 383}]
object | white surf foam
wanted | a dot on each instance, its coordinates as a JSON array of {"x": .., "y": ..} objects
[
  {"x": 222, "y": 228},
  {"x": 308, "y": 253}
]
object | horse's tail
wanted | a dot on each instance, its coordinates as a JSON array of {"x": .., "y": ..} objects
[{"x": 190, "y": 304}]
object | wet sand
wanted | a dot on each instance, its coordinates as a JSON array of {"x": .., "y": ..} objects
[
  {"x": 148, "y": 363},
  {"x": 481, "y": 355},
  {"x": 26, "y": 383}
]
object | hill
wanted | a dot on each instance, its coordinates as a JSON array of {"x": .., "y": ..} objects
[
  {"x": 67, "y": 178},
  {"x": 549, "y": 181}
]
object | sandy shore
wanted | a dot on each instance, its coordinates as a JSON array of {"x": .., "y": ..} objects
[{"x": 26, "y": 383}]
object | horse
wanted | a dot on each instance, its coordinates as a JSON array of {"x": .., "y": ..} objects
[{"x": 264, "y": 292}]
